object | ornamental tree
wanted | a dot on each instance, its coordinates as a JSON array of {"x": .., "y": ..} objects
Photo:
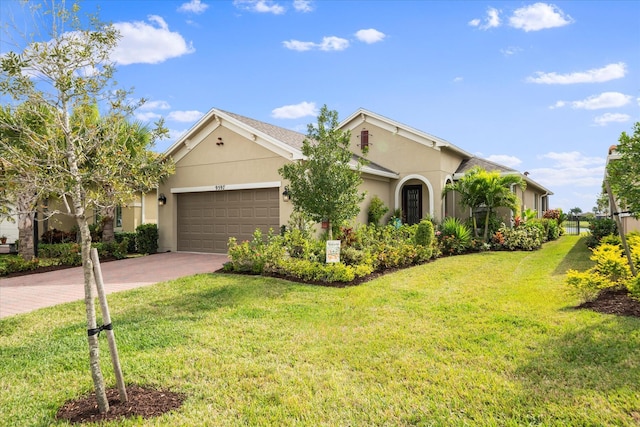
[
  {"x": 324, "y": 186},
  {"x": 82, "y": 156},
  {"x": 623, "y": 172}
]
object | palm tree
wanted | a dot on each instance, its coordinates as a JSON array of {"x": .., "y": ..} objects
[{"x": 491, "y": 190}]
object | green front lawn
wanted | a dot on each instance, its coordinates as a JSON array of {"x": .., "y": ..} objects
[{"x": 489, "y": 338}]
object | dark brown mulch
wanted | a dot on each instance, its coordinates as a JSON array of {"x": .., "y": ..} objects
[
  {"x": 610, "y": 301},
  {"x": 143, "y": 402}
]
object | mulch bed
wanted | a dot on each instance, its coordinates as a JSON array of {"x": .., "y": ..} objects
[
  {"x": 143, "y": 402},
  {"x": 610, "y": 301}
]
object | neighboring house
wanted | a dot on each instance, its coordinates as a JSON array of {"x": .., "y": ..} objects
[
  {"x": 227, "y": 183},
  {"x": 629, "y": 223},
  {"x": 9, "y": 229},
  {"x": 142, "y": 210}
]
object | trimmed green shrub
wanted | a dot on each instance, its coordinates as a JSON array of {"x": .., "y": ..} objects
[
  {"x": 112, "y": 249},
  {"x": 425, "y": 233},
  {"x": 66, "y": 253},
  {"x": 598, "y": 229},
  {"x": 130, "y": 236},
  {"x": 147, "y": 238},
  {"x": 18, "y": 264}
]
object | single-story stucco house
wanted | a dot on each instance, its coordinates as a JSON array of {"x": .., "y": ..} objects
[{"x": 227, "y": 183}]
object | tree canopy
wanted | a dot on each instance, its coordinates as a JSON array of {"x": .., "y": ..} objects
[
  {"x": 623, "y": 172},
  {"x": 324, "y": 186}
]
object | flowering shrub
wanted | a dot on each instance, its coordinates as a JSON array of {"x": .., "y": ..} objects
[
  {"x": 252, "y": 256},
  {"x": 526, "y": 237}
]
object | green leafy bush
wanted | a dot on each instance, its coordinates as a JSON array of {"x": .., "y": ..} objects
[
  {"x": 131, "y": 238},
  {"x": 526, "y": 237},
  {"x": 599, "y": 228},
  {"x": 66, "y": 253},
  {"x": 18, "y": 264},
  {"x": 454, "y": 237},
  {"x": 611, "y": 270},
  {"x": 147, "y": 238},
  {"x": 256, "y": 255},
  {"x": 112, "y": 249},
  {"x": 376, "y": 211}
]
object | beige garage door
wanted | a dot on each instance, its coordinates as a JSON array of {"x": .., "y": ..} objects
[{"x": 207, "y": 220}]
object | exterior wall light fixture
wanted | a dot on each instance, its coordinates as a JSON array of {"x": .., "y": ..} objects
[
  {"x": 285, "y": 194},
  {"x": 162, "y": 200}
]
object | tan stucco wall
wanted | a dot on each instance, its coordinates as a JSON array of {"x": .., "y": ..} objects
[{"x": 239, "y": 161}]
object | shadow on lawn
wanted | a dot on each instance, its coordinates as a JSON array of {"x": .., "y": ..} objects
[
  {"x": 577, "y": 258},
  {"x": 601, "y": 357}
]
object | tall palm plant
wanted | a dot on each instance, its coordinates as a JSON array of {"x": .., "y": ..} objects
[{"x": 491, "y": 190}]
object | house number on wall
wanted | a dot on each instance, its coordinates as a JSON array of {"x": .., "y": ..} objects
[{"x": 219, "y": 187}]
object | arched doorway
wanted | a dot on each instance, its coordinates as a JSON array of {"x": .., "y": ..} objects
[{"x": 414, "y": 195}]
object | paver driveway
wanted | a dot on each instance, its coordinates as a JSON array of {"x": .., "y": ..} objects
[{"x": 27, "y": 293}]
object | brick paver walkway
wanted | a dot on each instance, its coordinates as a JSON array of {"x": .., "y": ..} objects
[{"x": 27, "y": 293}]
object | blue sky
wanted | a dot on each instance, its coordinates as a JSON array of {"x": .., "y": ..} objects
[{"x": 541, "y": 87}]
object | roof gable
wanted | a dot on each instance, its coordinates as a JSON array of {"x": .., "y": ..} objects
[
  {"x": 284, "y": 142},
  {"x": 428, "y": 140}
]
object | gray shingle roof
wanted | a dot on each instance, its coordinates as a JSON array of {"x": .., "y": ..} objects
[
  {"x": 289, "y": 137},
  {"x": 484, "y": 164}
]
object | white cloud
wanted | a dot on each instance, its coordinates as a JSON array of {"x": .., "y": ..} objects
[
  {"x": 604, "y": 100},
  {"x": 260, "y": 6},
  {"x": 370, "y": 36},
  {"x": 184, "y": 116},
  {"x": 147, "y": 116},
  {"x": 147, "y": 43},
  {"x": 598, "y": 102},
  {"x": 607, "y": 118},
  {"x": 539, "y": 16},
  {"x": 511, "y": 50},
  {"x": 327, "y": 44},
  {"x": 194, "y": 6},
  {"x": 296, "y": 111},
  {"x": 458, "y": 79},
  {"x": 596, "y": 75},
  {"x": 155, "y": 105},
  {"x": 333, "y": 43},
  {"x": 505, "y": 160},
  {"x": 570, "y": 169},
  {"x": 303, "y": 6},
  {"x": 298, "y": 45},
  {"x": 492, "y": 20}
]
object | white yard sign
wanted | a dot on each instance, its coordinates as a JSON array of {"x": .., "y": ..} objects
[{"x": 333, "y": 251}]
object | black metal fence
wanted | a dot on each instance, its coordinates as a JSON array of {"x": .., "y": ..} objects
[{"x": 575, "y": 225}]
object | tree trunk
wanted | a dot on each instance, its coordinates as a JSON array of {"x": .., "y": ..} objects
[
  {"x": 108, "y": 233},
  {"x": 89, "y": 302},
  {"x": 486, "y": 226},
  {"x": 25, "y": 204}
]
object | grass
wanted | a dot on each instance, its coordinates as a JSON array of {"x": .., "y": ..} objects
[{"x": 488, "y": 339}]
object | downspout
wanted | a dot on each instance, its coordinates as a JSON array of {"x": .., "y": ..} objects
[{"x": 142, "y": 215}]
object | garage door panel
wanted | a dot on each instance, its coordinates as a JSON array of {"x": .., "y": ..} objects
[{"x": 206, "y": 221}]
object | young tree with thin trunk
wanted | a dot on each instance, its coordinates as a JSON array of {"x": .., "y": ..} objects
[
  {"x": 89, "y": 165},
  {"x": 324, "y": 185}
]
